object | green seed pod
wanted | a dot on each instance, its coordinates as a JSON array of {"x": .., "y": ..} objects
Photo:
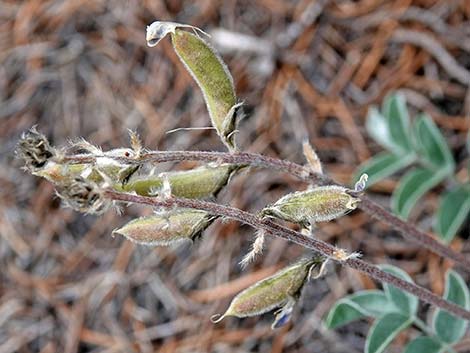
[
  {"x": 57, "y": 172},
  {"x": 277, "y": 291},
  {"x": 199, "y": 183},
  {"x": 319, "y": 204},
  {"x": 167, "y": 228},
  {"x": 208, "y": 70}
]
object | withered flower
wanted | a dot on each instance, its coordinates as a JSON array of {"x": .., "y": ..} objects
[
  {"x": 34, "y": 149},
  {"x": 83, "y": 195}
]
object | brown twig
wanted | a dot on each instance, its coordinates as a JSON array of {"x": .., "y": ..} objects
[
  {"x": 425, "y": 41},
  {"x": 277, "y": 230},
  {"x": 378, "y": 212}
]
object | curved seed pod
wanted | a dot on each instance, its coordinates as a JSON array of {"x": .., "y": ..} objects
[
  {"x": 167, "y": 228},
  {"x": 199, "y": 183},
  {"x": 209, "y": 72},
  {"x": 280, "y": 290},
  {"x": 319, "y": 204}
]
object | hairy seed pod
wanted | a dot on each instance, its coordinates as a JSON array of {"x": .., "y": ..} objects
[
  {"x": 319, "y": 204},
  {"x": 58, "y": 173},
  {"x": 83, "y": 195},
  {"x": 199, "y": 183},
  {"x": 209, "y": 72},
  {"x": 34, "y": 149},
  {"x": 167, "y": 228},
  {"x": 279, "y": 290}
]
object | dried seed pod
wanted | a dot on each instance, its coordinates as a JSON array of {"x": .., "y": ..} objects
[
  {"x": 208, "y": 70},
  {"x": 34, "y": 149},
  {"x": 278, "y": 291},
  {"x": 167, "y": 228},
  {"x": 83, "y": 195},
  {"x": 319, "y": 204},
  {"x": 199, "y": 183}
]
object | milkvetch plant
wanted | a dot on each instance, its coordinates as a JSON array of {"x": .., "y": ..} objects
[{"x": 91, "y": 180}]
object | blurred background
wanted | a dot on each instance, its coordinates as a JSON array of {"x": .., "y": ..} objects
[{"x": 304, "y": 69}]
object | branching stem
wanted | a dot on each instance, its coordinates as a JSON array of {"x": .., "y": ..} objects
[
  {"x": 378, "y": 212},
  {"x": 280, "y": 231}
]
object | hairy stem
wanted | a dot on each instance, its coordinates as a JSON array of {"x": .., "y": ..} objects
[
  {"x": 378, "y": 212},
  {"x": 277, "y": 230}
]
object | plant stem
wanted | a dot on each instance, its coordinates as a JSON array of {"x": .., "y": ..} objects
[
  {"x": 277, "y": 230},
  {"x": 378, "y": 212}
]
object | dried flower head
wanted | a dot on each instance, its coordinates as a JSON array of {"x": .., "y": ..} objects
[
  {"x": 83, "y": 195},
  {"x": 167, "y": 228},
  {"x": 34, "y": 149},
  {"x": 281, "y": 290}
]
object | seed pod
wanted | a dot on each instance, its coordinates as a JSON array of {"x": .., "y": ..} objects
[
  {"x": 208, "y": 70},
  {"x": 167, "y": 228},
  {"x": 34, "y": 149},
  {"x": 273, "y": 292},
  {"x": 197, "y": 183},
  {"x": 319, "y": 204},
  {"x": 58, "y": 173}
]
